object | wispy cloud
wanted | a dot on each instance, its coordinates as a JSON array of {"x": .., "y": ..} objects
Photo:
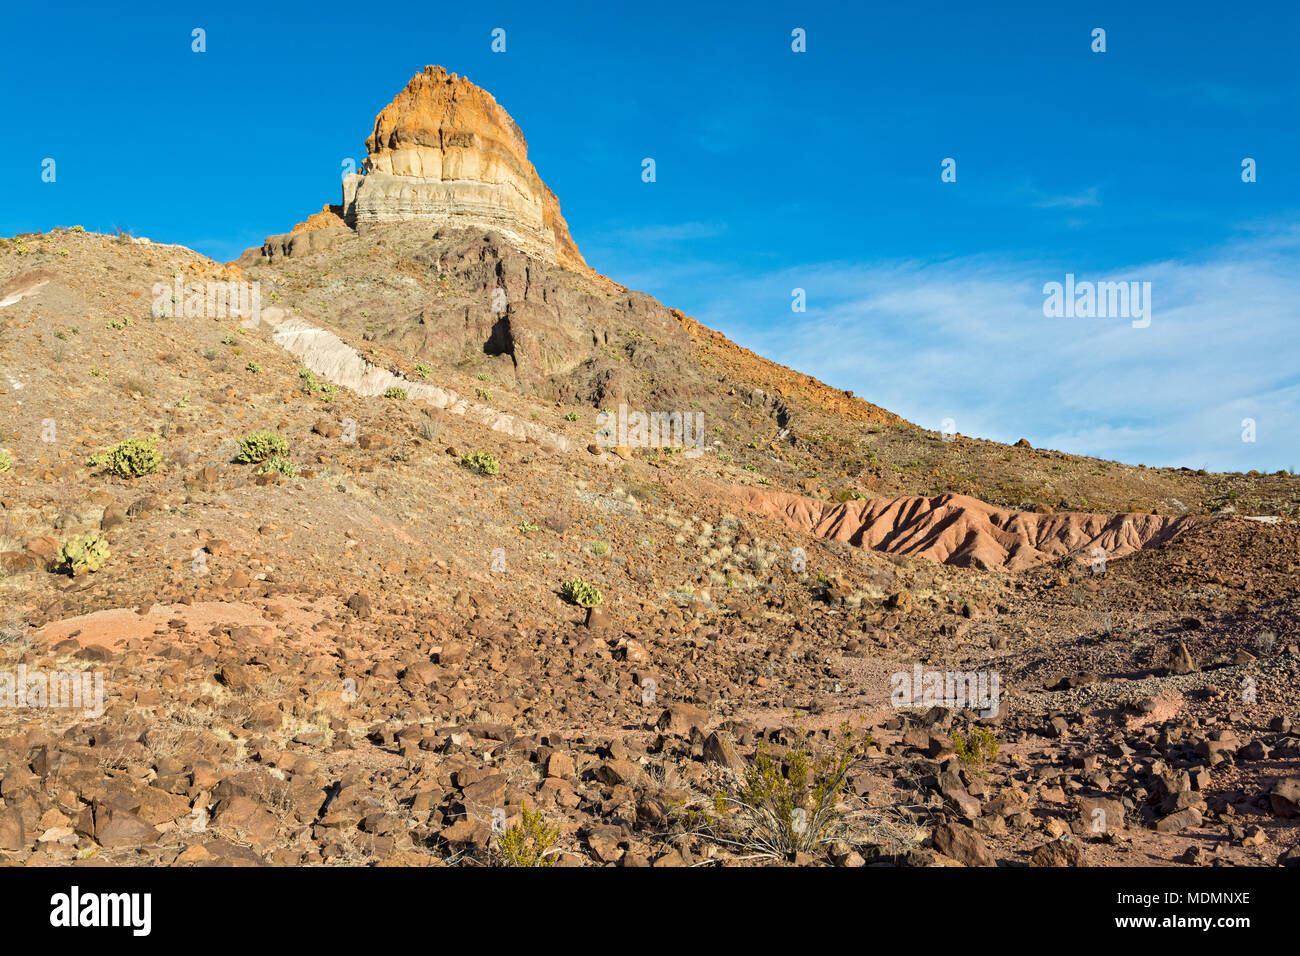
[
  {"x": 1081, "y": 200},
  {"x": 672, "y": 232},
  {"x": 966, "y": 339}
]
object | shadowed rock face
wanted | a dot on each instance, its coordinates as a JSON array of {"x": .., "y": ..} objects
[{"x": 445, "y": 150}]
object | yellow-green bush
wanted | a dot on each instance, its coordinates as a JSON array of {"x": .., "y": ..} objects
[
  {"x": 129, "y": 459},
  {"x": 581, "y": 593},
  {"x": 261, "y": 445},
  {"x": 87, "y": 553},
  {"x": 529, "y": 844},
  {"x": 481, "y": 462}
]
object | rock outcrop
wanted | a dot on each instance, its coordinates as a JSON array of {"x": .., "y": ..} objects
[{"x": 444, "y": 151}]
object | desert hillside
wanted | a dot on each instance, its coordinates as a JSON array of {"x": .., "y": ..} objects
[{"x": 383, "y": 563}]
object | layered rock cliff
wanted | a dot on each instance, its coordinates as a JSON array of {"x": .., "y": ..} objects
[{"x": 443, "y": 151}]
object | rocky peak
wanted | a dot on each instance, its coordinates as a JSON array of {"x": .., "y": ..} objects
[{"x": 445, "y": 150}]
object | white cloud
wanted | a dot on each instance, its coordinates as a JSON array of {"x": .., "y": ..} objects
[{"x": 966, "y": 339}]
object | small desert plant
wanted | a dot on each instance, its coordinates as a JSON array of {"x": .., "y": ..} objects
[
  {"x": 481, "y": 462},
  {"x": 785, "y": 806},
  {"x": 571, "y": 417},
  {"x": 396, "y": 392},
  {"x": 523, "y": 528},
  {"x": 120, "y": 324},
  {"x": 280, "y": 465},
  {"x": 261, "y": 445},
  {"x": 87, "y": 553},
  {"x": 5, "y": 461},
  {"x": 600, "y": 549},
  {"x": 254, "y": 368},
  {"x": 581, "y": 593},
  {"x": 423, "y": 370},
  {"x": 328, "y": 391},
  {"x": 228, "y": 339},
  {"x": 309, "y": 383},
  {"x": 977, "y": 749},
  {"x": 530, "y": 843},
  {"x": 483, "y": 394},
  {"x": 129, "y": 459}
]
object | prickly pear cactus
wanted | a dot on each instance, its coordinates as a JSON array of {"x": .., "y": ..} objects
[{"x": 87, "y": 553}]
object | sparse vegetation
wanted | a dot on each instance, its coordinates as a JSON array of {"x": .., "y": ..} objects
[
  {"x": 280, "y": 465},
  {"x": 423, "y": 369},
  {"x": 530, "y": 843},
  {"x": 481, "y": 462},
  {"x": 131, "y": 458},
  {"x": 261, "y": 445},
  {"x": 976, "y": 750},
  {"x": 396, "y": 392},
  {"x": 581, "y": 593},
  {"x": 254, "y": 368},
  {"x": 86, "y": 553},
  {"x": 787, "y": 805}
]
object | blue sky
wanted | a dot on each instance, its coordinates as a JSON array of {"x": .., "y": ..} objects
[{"x": 776, "y": 170}]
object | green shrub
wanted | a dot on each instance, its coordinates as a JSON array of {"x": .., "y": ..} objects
[
  {"x": 785, "y": 806},
  {"x": 229, "y": 339},
  {"x": 581, "y": 593},
  {"x": 481, "y": 462},
  {"x": 483, "y": 394},
  {"x": 396, "y": 392},
  {"x": 423, "y": 370},
  {"x": 129, "y": 459},
  {"x": 254, "y": 368},
  {"x": 531, "y": 843},
  {"x": 571, "y": 417},
  {"x": 309, "y": 383},
  {"x": 261, "y": 445},
  {"x": 87, "y": 553},
  {"x": 5, "y": 461},
  {"x": 279, "y": 464},
  {"x": 976, "y": 750},
  {"x": 523, "y": 528},
  {"x": 328, "y": 391},
  {"x": 600, "y": 549}
]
